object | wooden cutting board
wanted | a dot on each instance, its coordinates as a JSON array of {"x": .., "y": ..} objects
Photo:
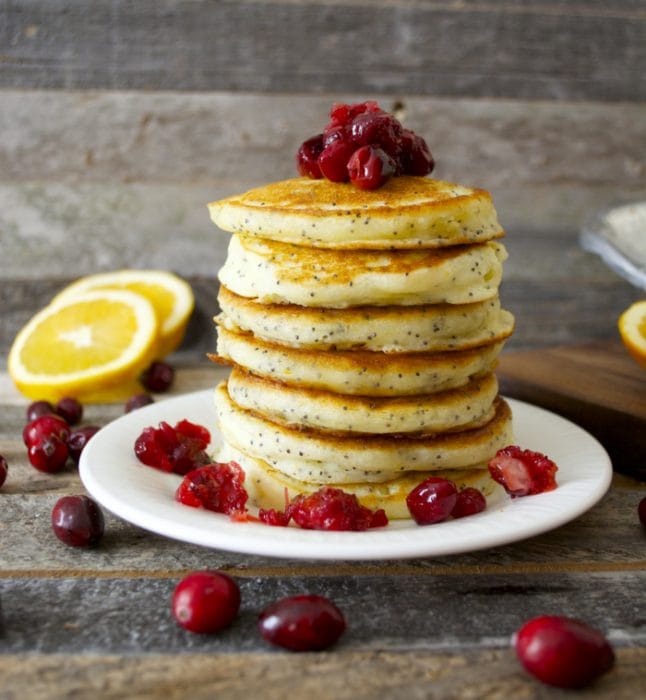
[{"x": 598, "y": 386}]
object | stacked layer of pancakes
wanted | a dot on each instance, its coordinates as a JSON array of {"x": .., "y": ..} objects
[{"x": 363, "y": 328}]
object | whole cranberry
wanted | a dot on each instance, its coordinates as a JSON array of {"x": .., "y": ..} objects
[
  {"x": 138, "y": 401},
  {"x": 563, "y": 652},
  {"x": 4, "y": 468},
  {"x": 333, "y": 160},
  {"x": 302, "y": 623},
  {"x": 370, "y": 167},
  {"x": 432, "y": 501},
  {"x": 205, "y": 601},
  {"x": 415, "y": 157},
  {"x": 78, "y": 439},
  {"x": 468, "y": 502},
  {"x": 378, "y": 128},
  {"x": 158, "y": 377},
  {"x": 641, "y": 511},
  {"x": 45, "y": 426},
  {"x": 48, "y": 454},
  {"x": 70, "y": 410},
  {"x": 37, "y": 409},
  {"x": 307, "y": 157},
  {"x": 77, "y": 521}
]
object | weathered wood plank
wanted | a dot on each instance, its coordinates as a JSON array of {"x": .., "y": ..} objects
[
  {"x": 543, "y": 49},
  {"x": 439, "y": 613},
  {"x": 335, "y": 675}
]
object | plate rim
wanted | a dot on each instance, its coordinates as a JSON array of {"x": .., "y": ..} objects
[{"x": 399, "y": 540}]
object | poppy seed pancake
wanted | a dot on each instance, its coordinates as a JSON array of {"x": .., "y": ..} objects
[{"x": 406, "y": 212}]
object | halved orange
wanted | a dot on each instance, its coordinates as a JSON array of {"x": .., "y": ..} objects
[
  {"x": 632, "y": 328},
  {"x": 170, "y": 295},
  {"x": 87, "y": 345}
]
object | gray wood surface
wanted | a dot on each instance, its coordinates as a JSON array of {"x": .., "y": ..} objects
[{"x": 556, "y": 49}]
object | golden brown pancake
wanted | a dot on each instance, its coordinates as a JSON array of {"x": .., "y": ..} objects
[{"x": 407, "y": 212}]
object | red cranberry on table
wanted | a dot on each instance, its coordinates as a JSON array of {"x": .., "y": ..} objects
[
  {"x": 78, "y": 439},
  {"x": 158, "y": 377},
  {"x": 138, "y": 401},
  {"x": 563, "y": 652},
  {"x": 523, "y": 472},
  {"x": 48, "y": 454},
  {"x": 302, "y": 623},
  {"x": 45, "y": 426},
  {"x": 468, "y": 502},
  {"x": 36, "y": 409},
  {"x": 4, "y": 468},
  {"x": 432, "y": 501},
  {"x": 78, "y": 521},
  {"x": 205, "y": 601},
  {"x": 70, "y": 410},
  {"x": 641, "y": 511}
]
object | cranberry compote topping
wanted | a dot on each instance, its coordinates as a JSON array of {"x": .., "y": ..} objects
[
  {"x": 342, "y": 114},
  {"x": 369, "y": 167},
  {"x": 70, "y": 410},
  {"x": 48, "y": 454},
  {"x": 45, "y": 426},
  {"x": 563, "y": 652},
  {"x": 415, "y": 157},
  {"x": 38, "y": 409},
  {"x": 641, "y": 511},
  {"x": 333, "y": 160},
  {"x": 218, "y": 487},
  {"x": 273, "y": 517},
  {"x": 138, "y": 401},
  {"x": 307, "y": 157},
  {"x": 78, "y": 439},
  {"x": 432, "y": 501},
  {"x": 4, "y": 468},
  {"x": 523, "y": 472},
  {"x": 302, "y": 623},
  {"x": 333, "y": 509},
  {"x": 177, "y": 449},
  {"x": 77, "y": 521},
  {"x": 378, "y": 128},
  {"x": 206, "y": 601},
  {"x": 468, "y": 502},
  {"x": 158, "y": 377}
]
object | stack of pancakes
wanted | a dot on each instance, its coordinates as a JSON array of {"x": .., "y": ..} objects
[{"x": 363, "y": 328}]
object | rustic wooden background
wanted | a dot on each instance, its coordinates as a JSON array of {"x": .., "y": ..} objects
[{"x": 119, "y": 120}]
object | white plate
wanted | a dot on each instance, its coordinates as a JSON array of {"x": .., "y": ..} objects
[{"x": 145, "y": 496}]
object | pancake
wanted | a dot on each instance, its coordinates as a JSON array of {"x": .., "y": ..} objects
[
  {"x": 428, "y": 328},
  {"x": 282, "y": 273},
  {"x": 293, "y": 407},
  {"x": 316, "y": 457},
  {"x": 268, "y": 487},
  {"x": 357, "y": 372},
  {"x": 406, "y": 212}
]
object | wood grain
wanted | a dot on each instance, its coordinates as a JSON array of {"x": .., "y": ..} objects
[{"x": 561, "y": 50}]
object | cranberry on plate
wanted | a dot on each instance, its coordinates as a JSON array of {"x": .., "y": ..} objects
[
  {"x": 432, "y": 501},
  {"x": 523, "y": 472}
]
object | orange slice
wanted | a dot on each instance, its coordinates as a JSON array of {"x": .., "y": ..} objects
[
  {"x": 632, "y": 328},
  {"x": 170, "y": 295},
  {"x": 90, "y": 344}
]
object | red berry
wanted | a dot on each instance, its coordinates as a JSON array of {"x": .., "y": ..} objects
[
  {"x": 333, "y": 509},
  {"x": 78, "y": 439},
  {"x": 415, "y": 157},
  {"x": 158, "y": 377},
  {"x": 307, "y": 157},
  {"x": 205, "y": 601},
  {"x": 45, "y": 426},
  {"x": 641, "y": 511},
  {"x": 138, "y": 401},
  {"x": 468, "y": 502},
  {"x": 77, "y": 521},
  {"x": 333, "y": 160},
  {"x": 378, "y": 129},
  {"x": 38, "y": 409},
  {"x": 177, "y": 449},
  {"x": 432, "y": 501},
  {"x": 369, "y": 167},
  {"x": 70, "y": 410},
  {"x": 4, "y": 468},
  {"x": 273, "y": 517},
  {"x": 48, "y": 454},
  {"x": 523, "y": 472},
  {"x": 342, "y": 114},
  {"x": 218, "y": 487},
  {"x": 302, "y": 623},
  {"x": 563, "y": 652}
]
